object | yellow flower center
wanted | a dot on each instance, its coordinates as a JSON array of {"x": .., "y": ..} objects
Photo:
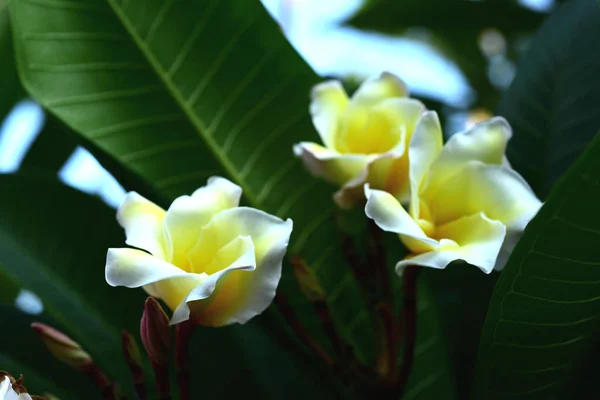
[{"x": 367, "y": 131}]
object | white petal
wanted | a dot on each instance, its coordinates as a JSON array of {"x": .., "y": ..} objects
[
  {"x": 328, "y": 102},
  {"x": 510, "y": 242},
  {"x": 333, "y": 167},
  {"x": 378, "y": 88},
  {"x": 134, "y": 268},
  {"x": 475, "y": 239},
  {"x": 499, "y": 192},
  {"x": 485, "y": 142},
  {"x": 248, "y": 294},
  {"x": 390, "y": 216},
  {"x": 222, "y": 315},
  {"x": 143, "y": 224},
  {"x": 8, "y": 393},
  {"x": 424, "y": 148},
  {"x": 219, "y": 192}
]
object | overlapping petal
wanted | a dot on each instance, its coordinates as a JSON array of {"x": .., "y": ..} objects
[
  {"x": 143, "y": 224},
  {"x": 501, "y": 193},
  {"x": 330, "y": 165},
  {"x": 328, "y": 101},
  {"x": 485, "y": 142},
  {"x": 378, "y": 88}
]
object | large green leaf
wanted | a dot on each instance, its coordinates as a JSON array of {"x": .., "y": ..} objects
[
  {"x": 9, "y": 289},
  {"x": 11, "y": 90},
  {"x": 552, "y": 104},
  {"x": 449, "y": 15},
  {"x": 546, "y": 305}
]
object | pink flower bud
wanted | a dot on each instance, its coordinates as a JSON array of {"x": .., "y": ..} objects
[
  {"x": 62, "y": 347},
  {"x": 154, "y": 329}
]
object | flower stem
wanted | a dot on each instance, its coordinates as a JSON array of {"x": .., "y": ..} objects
[
  {"x": 183, "y": 334},
  {"x": 411, "y": 274},
  {"x": 384, "y": 307},
  {"x": 163, "y": 388},
  {"x": 288, "y": 314},
  {"x": 107, "y": 389},
  {"x": 132, "y": 359}
]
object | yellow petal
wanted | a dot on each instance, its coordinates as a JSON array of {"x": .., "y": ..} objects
[
  {"x": 389, "y": 215},
  {"x": 485, "y": 142},
  {"x": 328, "y": 102},
  {"x": 187, "y": 215},
  {"x": 242, "y": 295},
  {"x": 425, "y": 146},
  {"x": 501, "y": 193},
  {"x": 475, "y": 239},
  {"x": 334, "y": 167},
  {"x": 143, "y": 224},
  {"x": 378, "y": 88},
  {"x": 215, "y": 300}
]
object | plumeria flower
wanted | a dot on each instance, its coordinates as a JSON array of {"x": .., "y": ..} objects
[
  {"x": 208, "y": 259},
  {"x": 364, "y": 137},
  {"x": 466, "y": 201},
  {"x": 11, "y": 389}
]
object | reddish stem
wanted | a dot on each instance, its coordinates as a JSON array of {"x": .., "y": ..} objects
[
  {"x": 183, "y": 335},
  {"x": 411, "y": 274},
  {"x": 106, "y": 387},
  {"x": 288, "y": 314}
]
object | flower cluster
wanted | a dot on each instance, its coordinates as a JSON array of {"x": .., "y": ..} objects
[{"x": 465, "y": 201}]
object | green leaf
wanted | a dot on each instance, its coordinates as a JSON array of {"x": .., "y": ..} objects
[
  {"x": 185, "y": 90},
  {"x": 546, "y": 304},
  {"x": 552, "y": 104},
  {"x": 9, "y": 81},
  {"x": 178, "y": 91},
  {"x": 447, "y": 15},
  {"x": 53, "y": 241},
  {"x": 24, "y": 354},
  {"x": 9, "y": 289}
]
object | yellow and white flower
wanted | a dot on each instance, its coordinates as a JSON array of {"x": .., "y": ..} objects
[
  {"x": 12, "y": 390},
  {"x": 210, "y": 260},
  {"x": 364, "y": 137},
  {"x": 466, "y": 201}
]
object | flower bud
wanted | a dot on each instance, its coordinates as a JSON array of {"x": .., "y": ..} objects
[
  {"x": 62, "y": 347},
  {"x": 154, "y": 329},
  {"x": 308, "y": 282}
]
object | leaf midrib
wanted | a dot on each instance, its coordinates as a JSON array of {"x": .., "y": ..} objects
[{"x": 198, "y": 124}]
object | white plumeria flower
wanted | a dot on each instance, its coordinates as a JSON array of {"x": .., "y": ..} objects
[
  {"x": 364, "y": 137},
  {"x": 210, "y": 261},
  {"x": 466, "y": 201},
  {"x": 7, "y": 392}
]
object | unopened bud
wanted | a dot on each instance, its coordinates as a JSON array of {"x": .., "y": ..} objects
[
  {"x": 155, "y": 332},
  {"x": 309, "y": 284},
  {"x": 62, "y": 347},
  {"x": 130, "y": 351}
]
